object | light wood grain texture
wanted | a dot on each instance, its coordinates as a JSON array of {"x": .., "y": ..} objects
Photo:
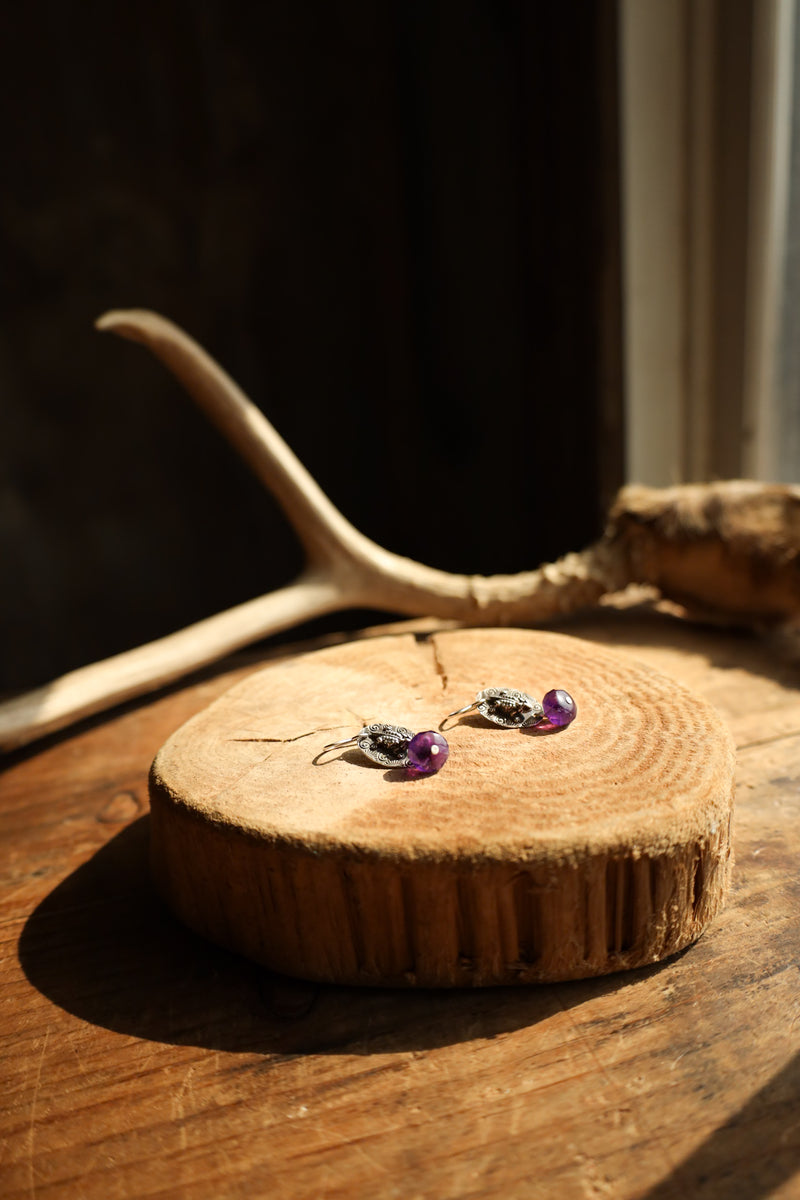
[
  {"x": 531, "y": 856},
  {"x": 138, "y": 1061}
]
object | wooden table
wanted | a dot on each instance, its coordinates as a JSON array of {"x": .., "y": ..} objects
[{"x": 139, "y": 1061}]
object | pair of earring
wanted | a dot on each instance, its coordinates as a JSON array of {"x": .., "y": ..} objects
[{"x": 426, "y": 753}]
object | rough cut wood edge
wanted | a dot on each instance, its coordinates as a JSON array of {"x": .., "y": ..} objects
[
  {"x": 395, "y": 917},
  {"x": 429, "y": 924}
]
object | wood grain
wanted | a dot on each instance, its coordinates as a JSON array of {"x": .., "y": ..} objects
[
  {"x": 530, "y": 857},
  {"x": 139, "y": 1062}
]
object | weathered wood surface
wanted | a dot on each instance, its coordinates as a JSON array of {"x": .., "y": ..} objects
[
  {"x": 138, "y": 1061},
  {"x": 534, "y": 856}
]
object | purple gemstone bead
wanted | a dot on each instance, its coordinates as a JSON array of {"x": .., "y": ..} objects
[
  {"x": 559, "y": 707},
  {"x": 427, "y": 752}
]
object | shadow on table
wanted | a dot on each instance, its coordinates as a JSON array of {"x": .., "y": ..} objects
[
  {"x": 103, "y": 947},
  {"x": 751, "y": 1155}
]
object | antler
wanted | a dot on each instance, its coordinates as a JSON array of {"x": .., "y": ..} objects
[{"x": 345, "y": 569}]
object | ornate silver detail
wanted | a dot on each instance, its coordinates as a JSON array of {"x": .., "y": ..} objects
[
  {"x": 385, "y": 744},
  {"x": 508, "y": 707}
]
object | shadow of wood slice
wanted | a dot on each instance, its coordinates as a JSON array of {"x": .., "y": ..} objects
[{"x": 529, "y": 857}]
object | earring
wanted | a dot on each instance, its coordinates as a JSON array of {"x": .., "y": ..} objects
[
  {"x": 394, "y": 746},
  {"x": 518, "y": 710}
]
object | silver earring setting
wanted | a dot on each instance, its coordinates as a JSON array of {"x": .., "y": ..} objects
[
  {"x": 517, "y": 710},
  {"x": 395, "y": 746}
]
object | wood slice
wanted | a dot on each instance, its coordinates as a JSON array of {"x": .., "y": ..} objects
[{"x": 529, "y": 857}]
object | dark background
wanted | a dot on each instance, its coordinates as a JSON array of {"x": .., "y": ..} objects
[{"x": 396, "y": 225}]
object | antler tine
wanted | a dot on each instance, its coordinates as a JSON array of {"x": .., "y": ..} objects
[
  {"x": 368, "y": 575},
  {"x": 345, "y": 569},
  {"x": 318, "y": 524}
]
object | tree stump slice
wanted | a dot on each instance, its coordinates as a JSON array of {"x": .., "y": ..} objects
[{"x": 529, "y": 857}]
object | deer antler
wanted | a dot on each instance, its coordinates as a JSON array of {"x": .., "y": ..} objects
[{"x": 345, "y": 569}]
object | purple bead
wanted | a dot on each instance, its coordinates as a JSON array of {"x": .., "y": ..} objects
[
  {"x": 559, "y": 707},
  {"x": 427, "y": 752}
]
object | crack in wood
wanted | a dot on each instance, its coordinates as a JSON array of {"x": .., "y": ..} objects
[
  {"x": 284, "y": 741},
  {"x": 438, "y": 662}
]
